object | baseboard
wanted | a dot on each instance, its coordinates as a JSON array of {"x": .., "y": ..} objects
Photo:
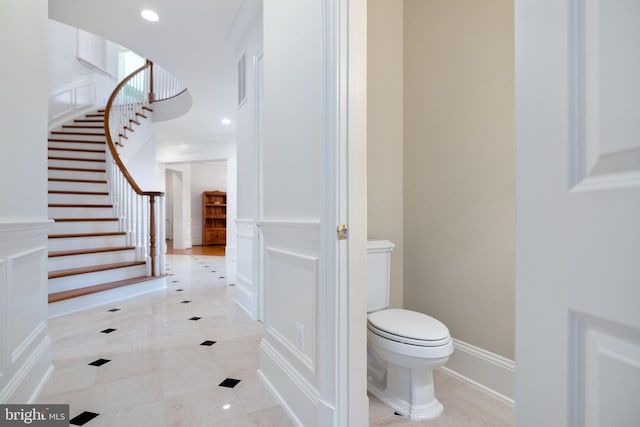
[
  {"x": 85, "y": 302},
  {"x": 489, "y": 371}
]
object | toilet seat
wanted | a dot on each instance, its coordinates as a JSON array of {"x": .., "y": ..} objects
[{"x": 408, "y": 327}]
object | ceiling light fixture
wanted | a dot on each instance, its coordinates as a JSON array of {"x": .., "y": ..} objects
[
  {"x": 226, "y": 121},
  {"x": 149, "y": 15}
]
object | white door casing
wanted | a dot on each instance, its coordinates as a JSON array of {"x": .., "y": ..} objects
[{"x": 578, "y": 212}]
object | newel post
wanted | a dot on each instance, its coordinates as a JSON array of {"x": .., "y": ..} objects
[
  {"x": 152, "y": 233},
  {"x": 152, "y": 95}
]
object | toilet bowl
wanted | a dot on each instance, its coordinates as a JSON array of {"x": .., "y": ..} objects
[{"x": 403, "y": 346}]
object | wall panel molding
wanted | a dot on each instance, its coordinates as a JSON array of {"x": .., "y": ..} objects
[{"x": 25, "y": 356}]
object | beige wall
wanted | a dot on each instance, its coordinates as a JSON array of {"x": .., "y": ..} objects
[
  {"x": 459, "y": 190},
  {"x": 384, "y": 132}
]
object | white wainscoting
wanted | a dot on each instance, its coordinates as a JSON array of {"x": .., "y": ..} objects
[
  {"x": 290, "y": 253},
  {"x": 491, "y": 372},
  {"x": 25, "y": 348},
  {"x": 83, "y": 93},
  {"x": 246, "y": 290}
]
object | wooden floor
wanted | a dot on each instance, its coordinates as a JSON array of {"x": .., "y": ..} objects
[{"x": 213, "y": 250}]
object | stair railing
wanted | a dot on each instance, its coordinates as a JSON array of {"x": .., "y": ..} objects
[{"x": 141, "y": 212}]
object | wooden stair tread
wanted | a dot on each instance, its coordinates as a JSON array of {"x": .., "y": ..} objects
[
  {"x": 84, "y": 219},
  {"x": 144, "y": 107},
  {"x": 95, "y": 115},
  {"x": 92, "y": 269},
  {"x": 61, "y": 296},
  {"x": 90, "y": 181},
  {"x": 79, "y": 205},
  {"x": 69, "y": 236},
  {"x": 79, "y": 141},
  {"x": 58, "y": 168},
  {"x": 76, "y": 159},
  {"x": 56, "y": 254},
  {"x": 84, "y": 193},
  {"x": 141, "y": 115},
  {"x": 88, "y": 121}
]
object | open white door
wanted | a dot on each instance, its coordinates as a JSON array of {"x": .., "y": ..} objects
[
  {"x": 578, "y": 212},
  {"x": 313, "y": 355}
]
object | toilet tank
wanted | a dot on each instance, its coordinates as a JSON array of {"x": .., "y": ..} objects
[{"x": 378, "y": 273}]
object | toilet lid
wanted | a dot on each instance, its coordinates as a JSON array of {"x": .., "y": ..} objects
[{"x": 408, "y": 324}]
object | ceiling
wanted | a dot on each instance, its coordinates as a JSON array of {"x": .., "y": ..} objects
[{"x": 189, "y": 41}]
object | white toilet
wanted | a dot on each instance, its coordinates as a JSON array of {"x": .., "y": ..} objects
[{"x": 403, "y": 346}]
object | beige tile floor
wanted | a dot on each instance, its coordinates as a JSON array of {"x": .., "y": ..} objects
[{"x": 159, "y": 374}]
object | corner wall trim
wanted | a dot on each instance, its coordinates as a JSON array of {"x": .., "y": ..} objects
[{"x": 491, "y": 372}]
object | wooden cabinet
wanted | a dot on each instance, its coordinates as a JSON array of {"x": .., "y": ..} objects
[{"x": 214, "y": 218}]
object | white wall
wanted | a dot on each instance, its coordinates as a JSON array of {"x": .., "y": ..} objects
[
  {"x": 139, "y": 155},
  {"x": 74, "y": 85},
  {"x": 25, "y": 355},
  {"x": 291, "y": 353},
  {"x": 385, "y": 138}
]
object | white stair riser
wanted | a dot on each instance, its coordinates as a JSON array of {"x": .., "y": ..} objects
[
  {"x": 81, "y": 213},
  {"x": 77, "y": 281},
  {"x": 77, "y": 164},
  {"x": 77, "y": 186},
  {"x": 77, "y": 175},
  {"x": 76, "y": 154},
  {"x": 84, "y": 199},
  {"x": 77, "y": 145},
  {"x": 76, "y": 137},
  {"x": 88, "y": 260},
  {"x": 73, "y": 243},
  {"x": 84, "y": 227}
]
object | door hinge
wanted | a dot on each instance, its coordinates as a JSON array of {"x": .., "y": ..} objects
[{"x": 343, "y": 232}]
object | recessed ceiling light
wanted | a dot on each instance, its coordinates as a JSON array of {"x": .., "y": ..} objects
[
  {"x": 149, "y": 15},
  {"x": 226, "y": 121}
]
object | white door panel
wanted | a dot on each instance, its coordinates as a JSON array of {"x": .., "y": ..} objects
[{"x": 578, "y": 212}]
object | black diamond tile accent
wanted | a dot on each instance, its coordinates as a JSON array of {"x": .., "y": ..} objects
[
  {"x": 113, "y": 310},
  {"x": 229, "y": 382},
  {"x": 206, "y": 266},
  {"x": 208, "y": 343},
  {"x": 221, "y": 277},
  {"x": 185, "y": 301},
  {"x": 171, "y": 274},
  {"x": 179, "y": 290},
  {"x": 397, "y": 413},
  {"x": 232, "y": 284},
  {"x": 195, "y": 318},
  {"x": 108, "y": 331},
  {"x": 83, "y": 418},
  {"x": 175, "y": 281},
  {"x": 99, "y": 362},
  {"x": 213, "y": 271}
]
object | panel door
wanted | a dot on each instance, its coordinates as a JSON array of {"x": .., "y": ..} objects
[{"x": 578, "y": 212}]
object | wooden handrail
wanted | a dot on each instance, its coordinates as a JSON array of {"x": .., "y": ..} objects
[
  {"x": 111, "y": 144},
  {"x": 125, "y": 172}
]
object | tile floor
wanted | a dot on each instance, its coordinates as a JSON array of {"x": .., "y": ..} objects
[{"x": 187, "y": 356}]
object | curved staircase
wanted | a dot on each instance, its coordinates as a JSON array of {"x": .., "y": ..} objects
[
  {"x": 102, "y": 244},
  {"x": 88, "y": 250}
]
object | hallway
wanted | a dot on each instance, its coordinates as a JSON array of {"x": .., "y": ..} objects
[
  {"x": 168, "y": 358},
  {"x": 187, "y": 356}
]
